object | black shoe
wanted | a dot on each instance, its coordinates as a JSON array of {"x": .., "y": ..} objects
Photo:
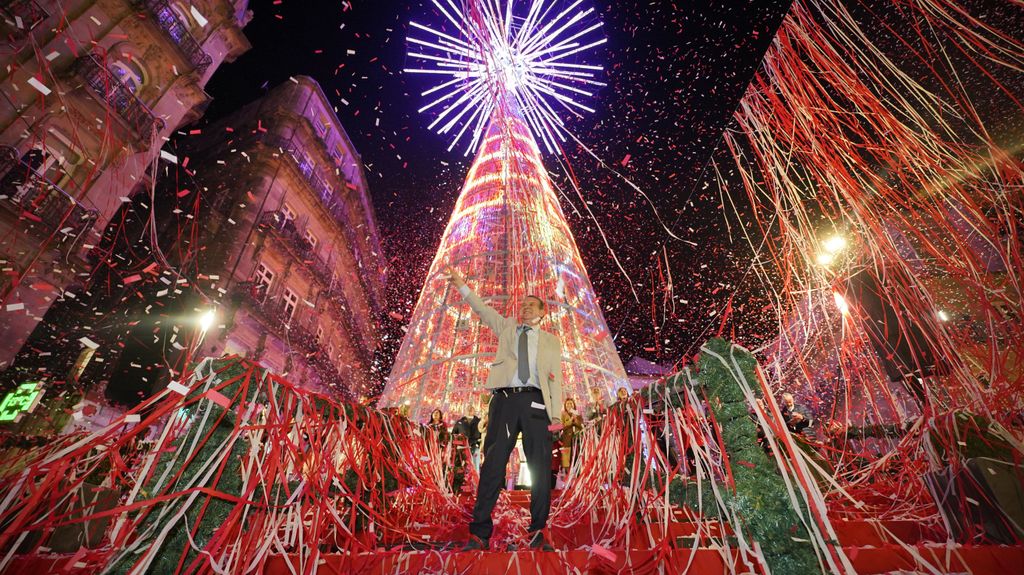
[
  {"x": 476, "y": 544},
  {"x": 537, "y": 542}
]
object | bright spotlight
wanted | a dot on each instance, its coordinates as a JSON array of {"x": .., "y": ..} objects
[
  {"x": 825, "y": 259},
  {"x": 844, "y": 308},
  {"x": 835, "y": 244},
  {"x": 206, "y": 320}
]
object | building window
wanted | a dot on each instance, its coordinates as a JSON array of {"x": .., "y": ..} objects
[
  {"x": 288, "y": 213},
  {"x": 28, "y": 12},
  {"x": 312, "y": 240},
  {"x": 54, "y": 159},
  {"x": 307, "y": 164},
  {"x": 338, "y": 153},
  {"x": 262, "y": 281},
  {"x": 43, "y": 163},
  {"x": 321, "y": 125},
  {"x": 175, "y": 20},
  {"x": 291, "y": 303},
  {"x": 129, "y": 72}
]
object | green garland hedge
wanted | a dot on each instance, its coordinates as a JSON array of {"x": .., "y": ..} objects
[{"x": 758, "y": 496}]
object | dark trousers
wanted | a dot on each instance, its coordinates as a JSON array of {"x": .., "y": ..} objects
[{"x": 508, "y": 415}]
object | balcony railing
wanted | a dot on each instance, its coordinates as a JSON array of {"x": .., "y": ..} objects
[
  {"x": 178, "y": 33},
  {"x": 289, "y": 234},
  {"x": 332, "y": 202},
  {"x": 23, "y": 16},
  {"x": 112, "y": 92},
  {"x": 45, "y": 207},
  {"x": 299, "y": 245},
  {"x": 275, "y": 315}
]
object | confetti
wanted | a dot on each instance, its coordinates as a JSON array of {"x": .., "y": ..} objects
[{"x": 39, "y": 86}]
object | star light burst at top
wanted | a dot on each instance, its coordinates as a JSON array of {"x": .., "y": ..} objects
[{"x": 528, "y": 54}]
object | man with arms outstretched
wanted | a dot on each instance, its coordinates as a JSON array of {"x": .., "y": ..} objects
[{"x": 525, "y": 381}]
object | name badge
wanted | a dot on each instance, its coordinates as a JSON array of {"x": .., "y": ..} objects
[{"x": 536, "y": 405}]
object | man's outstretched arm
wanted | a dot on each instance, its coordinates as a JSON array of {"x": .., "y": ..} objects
[{"x": 488, "y": 314}]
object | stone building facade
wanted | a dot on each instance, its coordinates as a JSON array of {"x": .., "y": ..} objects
[
  {"x": 294, "y": 240},
  {"x": 91, "y": 91}
]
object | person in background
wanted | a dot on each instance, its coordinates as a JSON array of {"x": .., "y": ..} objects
[
  {"x": 437, "y": 425},
  {"x": 596, "y": 408},
  {"x": 468, "y": 426},
  {"x": 796, "y": 417},
  {"x": 621, "y": 395},
  {"x": 572, "y": 425}
]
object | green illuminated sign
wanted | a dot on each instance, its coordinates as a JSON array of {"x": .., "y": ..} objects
[{"x": 20, "y": 401}]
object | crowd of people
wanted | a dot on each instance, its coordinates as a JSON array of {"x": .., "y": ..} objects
[{"x": 467, "y": 434}]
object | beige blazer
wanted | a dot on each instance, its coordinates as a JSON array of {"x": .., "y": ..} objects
[{"x": 506, "y": 360}]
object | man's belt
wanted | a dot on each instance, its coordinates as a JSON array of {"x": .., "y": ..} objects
[{"x": 507, "y": 391}]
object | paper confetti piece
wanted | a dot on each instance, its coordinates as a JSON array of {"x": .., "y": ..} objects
[
  {"x": 88, "y": 343},
  {"x": 177, "y": 388},
  {"x": 200, "y": 19},
  {"x": 602, "y": 552},
  {"x": 132, "y": 418},
  {"x": 218, "y": 398},
  {"x": 15, "y": 306},
  {"x": 39, "y": 86}
]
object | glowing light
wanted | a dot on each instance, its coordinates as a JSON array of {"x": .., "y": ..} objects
[
  {"x": 506, "y": 53},
  {"x": 206, "y": 320},
  {"x": 943, "y": 316},
  {"x": 844, "y": 308},
  {"x": 20, "y": 401},
  {"x": 825, "y": 259},
  {"x": 835, "y": 244},
  {"x": 509, "y": 237}
]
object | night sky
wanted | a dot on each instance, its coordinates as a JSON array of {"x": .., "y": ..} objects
[{"x": 675, "y": 72}]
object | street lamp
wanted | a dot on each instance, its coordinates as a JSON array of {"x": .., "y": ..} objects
[
  {"x": 844, "y": 308},
  {"x": 835, "y": 244},
  {"x": 832, "y": 247},
  {"x": 206, "y": 320}
]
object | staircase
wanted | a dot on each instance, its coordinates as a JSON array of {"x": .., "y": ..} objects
[{"x": 683, "y": 545}]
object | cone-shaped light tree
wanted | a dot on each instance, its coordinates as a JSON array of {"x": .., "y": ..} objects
[{"x": 507, "y": 234}]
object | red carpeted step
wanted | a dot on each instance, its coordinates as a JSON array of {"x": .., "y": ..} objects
[
  {"x": 977, "y": 559},
  {"x": 520, "y": 563},
  {"x": 877, "y": 533},
  {"x": 680, "y": 532},
  {"x": 580, "y": 534}
]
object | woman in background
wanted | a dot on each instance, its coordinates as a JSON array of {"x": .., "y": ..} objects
[{"x": 572, "y": 425}]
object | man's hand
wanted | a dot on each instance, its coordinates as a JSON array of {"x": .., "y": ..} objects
[{"x": 454, "y": 276}]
